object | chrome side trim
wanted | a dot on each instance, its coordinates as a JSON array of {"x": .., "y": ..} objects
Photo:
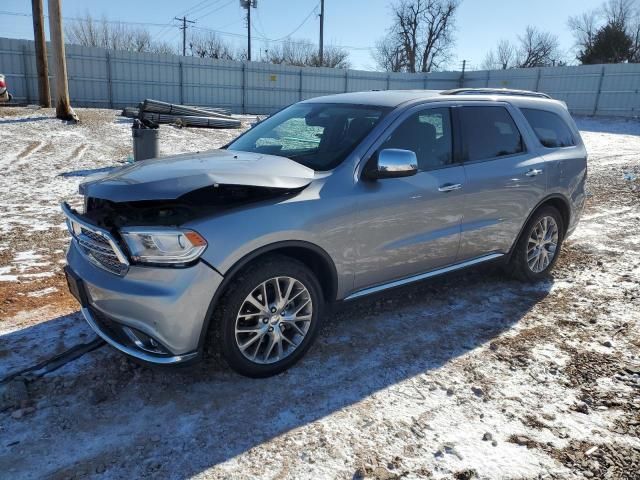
[
  {"x": 130, "y": 351},
  {"x": 422, "y": 276}
]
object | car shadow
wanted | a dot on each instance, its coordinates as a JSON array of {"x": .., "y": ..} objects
[{"x": 184, "y": 421}]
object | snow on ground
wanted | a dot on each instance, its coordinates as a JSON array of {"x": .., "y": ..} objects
[{"x": 473, "y": 376}]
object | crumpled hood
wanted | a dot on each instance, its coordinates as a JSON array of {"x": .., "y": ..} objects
[{"x": 171, "y": 177}]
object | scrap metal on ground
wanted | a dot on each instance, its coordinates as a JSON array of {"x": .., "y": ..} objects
[{"x": 184, "y": 115}]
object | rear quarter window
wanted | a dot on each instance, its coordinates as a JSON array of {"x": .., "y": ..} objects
[
  {"x": 488, "y": 132},
  {"x": 550, "y": 128}
]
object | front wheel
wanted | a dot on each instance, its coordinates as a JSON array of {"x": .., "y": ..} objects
[
  {"x": 269, "y": 316},
  {"x": 539, "y": 246}
]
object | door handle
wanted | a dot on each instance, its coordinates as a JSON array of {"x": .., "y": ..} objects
[
  {"x": 448, "y": 187},
  {"x": 532, "y": 172}
]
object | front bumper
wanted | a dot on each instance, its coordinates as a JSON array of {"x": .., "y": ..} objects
[{"x": 155, "y": 314}]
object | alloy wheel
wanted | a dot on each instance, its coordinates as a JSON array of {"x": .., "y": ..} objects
[
  {"x": 542, "y": 244},
  {"x": 273, "y": 320}
]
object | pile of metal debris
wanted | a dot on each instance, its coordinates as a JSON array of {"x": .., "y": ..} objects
[{"x": 182, "y": 115}]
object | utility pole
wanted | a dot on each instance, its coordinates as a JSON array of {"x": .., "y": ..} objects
[
  {"x": 249, "y": 4},
  {"x": 321, "y": 53},
  {"x": 42, "y": 64},
  {"x": 63, "y": 104},
  {"x": 464, "y": 67},
  {"x": 184, "y": 33}
]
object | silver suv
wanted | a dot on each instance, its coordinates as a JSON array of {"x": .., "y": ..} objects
[{"x": 328, "y": 199}]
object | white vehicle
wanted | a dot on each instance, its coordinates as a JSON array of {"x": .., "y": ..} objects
[{"x": 5, "y": 96}]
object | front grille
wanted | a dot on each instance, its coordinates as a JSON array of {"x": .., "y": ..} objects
[
  {"x": 97, "y": 244},
  {"x": 100, "y": 250}
]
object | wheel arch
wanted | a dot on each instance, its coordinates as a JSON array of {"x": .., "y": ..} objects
[
  {"x": 310, "y": 254},
  {"x": 559, "y": 202}
]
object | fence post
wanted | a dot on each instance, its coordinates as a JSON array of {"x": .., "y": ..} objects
[
  {"x": 426, "y": 81},
  {"x": 488, "y": 78},
  {"x": 300, "y": 86},
  {"x": 244, "y": 86},
  {"x": 597, "y": 102},
  {"x": 538, "y": 79},
  {"x": 25, "y": 66},
  {"x": 181, "y": 83},
  {"x": 388, "y": 81},
  {"x": 346, "y": 80},
  {"x": 109, "y": 81}
]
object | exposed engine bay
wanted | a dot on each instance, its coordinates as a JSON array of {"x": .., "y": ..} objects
[{"x": 196, "y": 204}]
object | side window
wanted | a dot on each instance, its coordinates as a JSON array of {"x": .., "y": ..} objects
[
  {"x": 428, "y": 134},
  {"x": 551, "y": 130},
  {"x": 488, "y": 132}
]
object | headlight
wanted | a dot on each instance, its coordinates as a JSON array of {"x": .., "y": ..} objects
[{"x": 163, "y": 246}]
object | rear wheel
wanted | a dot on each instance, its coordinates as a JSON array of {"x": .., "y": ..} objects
[
  {"x": 539, "y": 245},
  {"x": 269, "y": 316}
]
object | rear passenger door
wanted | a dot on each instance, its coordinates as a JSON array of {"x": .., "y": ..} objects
[{"x": 505, "y": 178}]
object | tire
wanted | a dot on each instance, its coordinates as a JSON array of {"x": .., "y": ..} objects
[
  {"x": 263, "y": 329},
  {"x": 522, "y": 264}
]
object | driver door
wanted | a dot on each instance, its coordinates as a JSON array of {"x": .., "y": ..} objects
[{"x": 411, "y": 225}]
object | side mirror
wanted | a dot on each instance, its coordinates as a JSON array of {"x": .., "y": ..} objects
[{"x": 392, "y": 163}]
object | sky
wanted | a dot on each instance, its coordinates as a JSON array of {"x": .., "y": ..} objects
[{"x": 354, "y": 24}]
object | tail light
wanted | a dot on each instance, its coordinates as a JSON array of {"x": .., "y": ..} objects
[{"x": 2, "y": 84}]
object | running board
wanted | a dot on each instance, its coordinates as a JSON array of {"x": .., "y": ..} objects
[{"x": 422, "y": 276}]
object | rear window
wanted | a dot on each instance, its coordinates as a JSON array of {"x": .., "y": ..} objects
[
  {"x": 551, "y": 130},
  {"x": 488, "y": 132}
]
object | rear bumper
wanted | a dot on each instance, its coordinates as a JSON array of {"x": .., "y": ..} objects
[{"x": 154, "y": 314}]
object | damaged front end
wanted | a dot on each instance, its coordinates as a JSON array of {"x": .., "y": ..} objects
[
  {"x": 200, "y": 203},
  {"x": 135, "y": 214},
  {"x": 114, "y": 234}
]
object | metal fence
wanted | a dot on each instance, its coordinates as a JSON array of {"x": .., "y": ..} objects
[{"x": 114, "y": 79}]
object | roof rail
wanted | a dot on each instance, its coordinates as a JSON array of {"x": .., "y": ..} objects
[{"x": 494, "y": 91}]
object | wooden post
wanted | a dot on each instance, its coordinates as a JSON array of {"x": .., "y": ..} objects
[
  {"x": 42, "y": 63},
  {"x": 63, "y": 105}
]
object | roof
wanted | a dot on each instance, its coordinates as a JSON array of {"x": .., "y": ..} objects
[
  {"x": 394, "y": 98},
  {"x": 495, "y": 91},
  {"x": 382, "y": 98}
]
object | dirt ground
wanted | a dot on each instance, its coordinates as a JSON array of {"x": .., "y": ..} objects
[{"x": 472, "y": 376}]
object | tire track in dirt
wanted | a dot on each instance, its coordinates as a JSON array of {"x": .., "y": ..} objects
[
  {"x": 78, "y": 152},
  {"x": 29, "y": 150}
]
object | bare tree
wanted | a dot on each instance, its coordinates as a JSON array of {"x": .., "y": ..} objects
[
  {"x": 621, "y": 16},
  {"x": 503, "y": 57},
  {"x": 303, "y": 53},
  {"x": 290, "y": 52},
  {"x": 389, "y": 55},
  {"x": 619, "y": 12},
  {"x": 537, "y": 49},
  {"x": 332, "y": 57},
  {"x": 584, "y": 28},
  {"x": 420, "y": 37},
  {"x": 210, "y": 46},
  {"x": 102, "y": 33},
  {"x": 625, "y": 15}
]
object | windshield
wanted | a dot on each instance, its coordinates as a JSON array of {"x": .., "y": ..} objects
[{"x": 317, "y": 135}]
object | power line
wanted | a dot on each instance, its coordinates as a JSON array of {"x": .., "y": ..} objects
[
  {"x": 315, "y": 9},
  {"x": 219, "y": 32},
  {"x": 190, "y": 11},
  {"x": 202, "y": 15}
]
